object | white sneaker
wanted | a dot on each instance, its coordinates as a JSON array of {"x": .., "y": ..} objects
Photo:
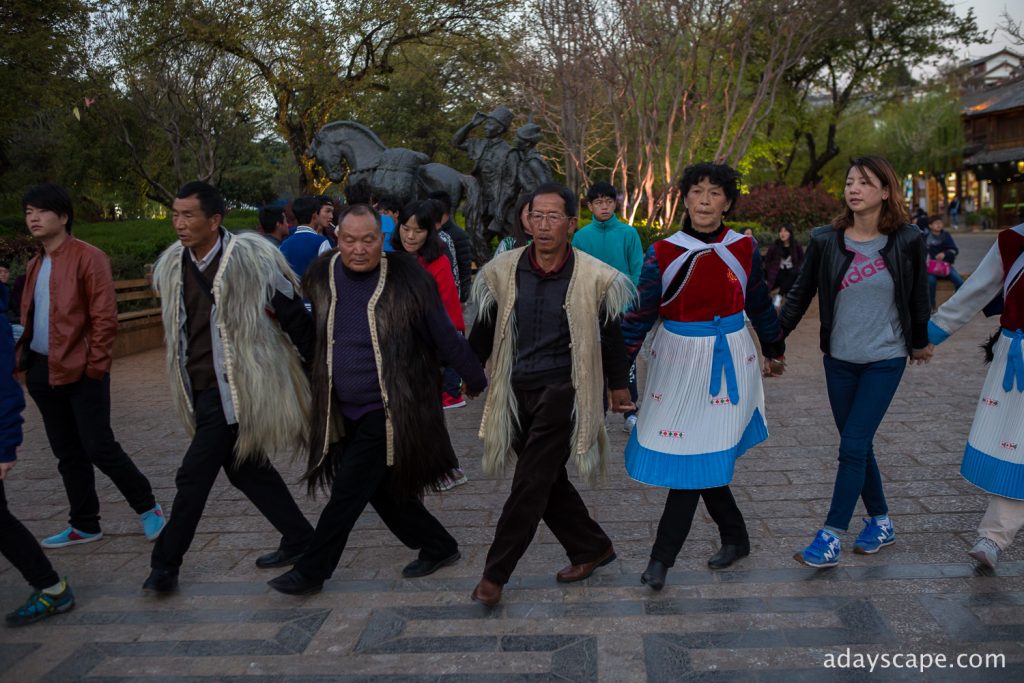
[
  {"x": 455, "y": 478},
  {"x": 629, "y": 424},
  {"x": 986, "y": 552}
]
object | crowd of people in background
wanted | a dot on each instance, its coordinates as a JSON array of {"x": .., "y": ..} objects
[{"x": 340, "y": 331}]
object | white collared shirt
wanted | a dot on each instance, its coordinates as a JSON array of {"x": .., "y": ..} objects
[{"x": 202, "y": 263}]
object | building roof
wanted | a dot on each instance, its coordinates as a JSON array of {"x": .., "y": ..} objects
[
  {"x": 1002, "y": 98},
  {"x": 995, "y": 156},
  {"x": 982, "y": 60}
]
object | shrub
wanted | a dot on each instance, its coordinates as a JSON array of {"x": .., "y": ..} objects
[
  {"x": 17, "y": 250},
  {"x": 772, "y": 205}
]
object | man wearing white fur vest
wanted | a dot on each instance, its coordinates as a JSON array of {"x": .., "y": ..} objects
[
  {"x": 548, "y": 319},
  {"x": 234, "y": 327}
]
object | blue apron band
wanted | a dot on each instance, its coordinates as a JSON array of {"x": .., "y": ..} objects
[
  {"x": 1014, "y": 362},
  {"x": 721, "y": 357}
]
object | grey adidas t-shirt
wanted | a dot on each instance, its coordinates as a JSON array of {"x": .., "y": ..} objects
[{"x": 866, "y": 324}]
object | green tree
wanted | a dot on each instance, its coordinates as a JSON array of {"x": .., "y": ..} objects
[
  {"x": 312, "y": 56},
  {"x": 868, "y": 63},
  {"x": 40, "y": 62}
]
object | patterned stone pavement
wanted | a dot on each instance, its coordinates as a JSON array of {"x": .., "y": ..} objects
[{"x": 766, "y": 619}]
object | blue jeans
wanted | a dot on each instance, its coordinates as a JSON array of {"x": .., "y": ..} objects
[
  {"x": 933, "y": 280},
  {"x": 859, "y": 394}
]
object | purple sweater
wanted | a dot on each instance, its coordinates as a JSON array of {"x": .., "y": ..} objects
[
  {"x": 355, "y": 367},
  {"x": 356, "y": 384}
]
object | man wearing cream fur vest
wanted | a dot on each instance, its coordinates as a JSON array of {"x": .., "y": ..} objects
[{"x": 548, "y": 320}]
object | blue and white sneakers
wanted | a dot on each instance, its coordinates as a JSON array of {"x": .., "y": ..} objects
[
  {"x": 822, "y": 552},
  {"x": 70, "y": 536},
  {"x": 874, "y": 536},
  {"x": 153, "y": 522}
]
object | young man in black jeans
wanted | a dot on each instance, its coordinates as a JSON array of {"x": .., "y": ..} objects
[{"x": 69, "y": 310}]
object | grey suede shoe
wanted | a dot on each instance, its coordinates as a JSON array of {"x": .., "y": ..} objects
[{"x": 986, "y": 552}]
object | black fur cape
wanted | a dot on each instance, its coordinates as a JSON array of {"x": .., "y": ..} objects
[{"x": 423, "y": 452}]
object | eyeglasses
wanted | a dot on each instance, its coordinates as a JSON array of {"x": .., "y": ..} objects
[{"x": 549, "y": 218}]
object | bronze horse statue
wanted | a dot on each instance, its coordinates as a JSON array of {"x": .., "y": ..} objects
[{"x": 395, "y": 172}]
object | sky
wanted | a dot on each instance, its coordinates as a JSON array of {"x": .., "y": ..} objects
[{"x": 989, "y": 15}]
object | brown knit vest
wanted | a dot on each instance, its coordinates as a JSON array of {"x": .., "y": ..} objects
[{"x": 198, "y": 305}]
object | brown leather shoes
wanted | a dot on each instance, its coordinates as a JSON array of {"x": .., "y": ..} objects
[
  {"x": 578, "y": 572},
  {"x": 487, "y": 593}
]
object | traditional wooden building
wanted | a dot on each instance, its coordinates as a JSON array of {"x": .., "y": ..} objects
[{"x": 994, "y": 154}]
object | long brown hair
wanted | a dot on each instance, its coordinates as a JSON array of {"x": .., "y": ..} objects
[{"x": 893, "y": 214}]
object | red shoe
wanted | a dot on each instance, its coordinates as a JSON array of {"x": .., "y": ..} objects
[{"x": 449, "y": 401}]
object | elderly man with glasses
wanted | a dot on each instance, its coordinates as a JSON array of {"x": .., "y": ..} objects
[{"x": 548, "y": 320}]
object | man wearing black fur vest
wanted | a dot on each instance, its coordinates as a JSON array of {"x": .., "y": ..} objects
[
  {"x": 378, "y": 434},
  {"x": 234, "y": 326}
]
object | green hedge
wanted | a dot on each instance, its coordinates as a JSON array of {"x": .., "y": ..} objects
[{"x": 130, "y": 244}]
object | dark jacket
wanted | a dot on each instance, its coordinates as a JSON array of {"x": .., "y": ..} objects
[
  {"x": 463, "y": 257},
  {"x": 12, "y": 401},
  {"x": 773, "y": 259},
  {"x": 946, "y": 246},
  {"x": 825, "y": 264}
]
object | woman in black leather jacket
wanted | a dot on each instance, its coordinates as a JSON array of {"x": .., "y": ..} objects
[{"x": 868, "y": 271}]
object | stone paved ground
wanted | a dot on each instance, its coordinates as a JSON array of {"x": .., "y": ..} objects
[{"x": 766, "y": 619}]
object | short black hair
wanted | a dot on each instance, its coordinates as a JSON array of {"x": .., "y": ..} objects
[
  {"x": 444, "y": 198},
  {"x": 359, "y": 192},
  {"x": 437, "y": 208},
  {"x": 270, "y": 216},
  {"x": 602, "y": 189},
  {"x": 211, "y": 201},
  {"x": 390, "y": 203},
  {"x": 50, "y": 197},
  {"x": 358, "y": 210},
  {"x": 562, "y": 191},
  {"x": 722, "y": 175},
  {"x": 304, "y": 208},
  {"x": 423, "y": 212}
]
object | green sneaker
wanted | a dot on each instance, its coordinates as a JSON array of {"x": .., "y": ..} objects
[{"x": 41, "y": 605}]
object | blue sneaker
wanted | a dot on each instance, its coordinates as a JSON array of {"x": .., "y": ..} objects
[
  {"x": 874, "y": 536},
  {"x": 41, "y": 605},
  {"x": 70, "y": 536},
  {"x": 153, "y": 522},
  {"x": 822, "y": 552}
]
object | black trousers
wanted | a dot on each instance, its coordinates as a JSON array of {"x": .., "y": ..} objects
[
  {"x": 362, "y": 476},
  {"x": 21, "y": 549},
  {"x": 541, "y": 489},
  {"x": 676, "y": 519},
  {"x": 77, "y": 422},
  {"x": 210, "y": 451}
]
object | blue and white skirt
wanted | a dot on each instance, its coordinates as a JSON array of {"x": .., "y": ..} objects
[
  {"x": 994, "y": 458},
  {"x": 702, "y": 406}
]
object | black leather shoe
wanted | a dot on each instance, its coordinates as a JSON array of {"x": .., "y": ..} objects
[
  {"x": 278, "y": 558},
  {"x": 161, "y": 581},
  {"x": 418, "y": 568},
  {"x": 654, "y": 575},
  {"x": 729, "y": 555},
  {"x": 294, "y": 582}
]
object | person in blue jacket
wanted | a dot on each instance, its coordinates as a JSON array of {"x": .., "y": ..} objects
[
  {"x": 50, "y": 594},
  {"x": 616, "y": 244}
]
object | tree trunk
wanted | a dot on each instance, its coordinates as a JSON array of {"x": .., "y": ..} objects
[{"x": 812, "y": 176}]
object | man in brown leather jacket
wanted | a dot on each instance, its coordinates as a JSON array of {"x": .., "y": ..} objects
[{"x": 69, "y": 311}]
